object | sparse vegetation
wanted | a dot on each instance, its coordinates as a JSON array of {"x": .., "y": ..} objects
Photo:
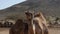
[
  {"x": 12, "y": 17},
  {"x": 53, "y": 21}
]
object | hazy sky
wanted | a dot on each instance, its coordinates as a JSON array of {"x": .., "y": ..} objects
[{"x": 7, "y": 3}]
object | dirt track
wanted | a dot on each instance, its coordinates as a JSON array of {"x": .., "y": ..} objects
[{"x": 51, "y": 30}]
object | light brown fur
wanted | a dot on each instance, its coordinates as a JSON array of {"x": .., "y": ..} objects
[{"x": 38, "y": 21}]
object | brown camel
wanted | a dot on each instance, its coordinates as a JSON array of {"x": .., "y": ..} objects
[
  {"x": 38, "y": 25},
  {"x": 19, "y": 27}
]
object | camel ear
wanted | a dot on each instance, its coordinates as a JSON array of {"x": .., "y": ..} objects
[
  {"x": 28, "y": 13},
  {"x": 40, "y": 15},
  {"x": 37, "y": 15}
]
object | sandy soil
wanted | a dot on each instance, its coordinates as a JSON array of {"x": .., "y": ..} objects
[
  {"x": 4, "y": 30},
  {"x": 54, "y": 30},
  {"x": 51, "y": 30}
]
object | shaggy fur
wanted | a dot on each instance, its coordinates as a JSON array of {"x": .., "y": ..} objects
[{"x": 36, "y": 25}]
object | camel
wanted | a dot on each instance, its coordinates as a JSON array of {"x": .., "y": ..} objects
[
  {"x": 33, "y": 25},
  {"x": 39, "y": 25}
]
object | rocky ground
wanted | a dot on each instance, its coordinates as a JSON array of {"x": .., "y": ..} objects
[{"x": 51, "y": 30}]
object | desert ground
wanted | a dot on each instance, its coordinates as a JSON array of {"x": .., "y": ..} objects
[
  {"x": 4, "y": 30},
  {"x": 54, "y": 30},
  {"x": 51, "y": 30}
]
